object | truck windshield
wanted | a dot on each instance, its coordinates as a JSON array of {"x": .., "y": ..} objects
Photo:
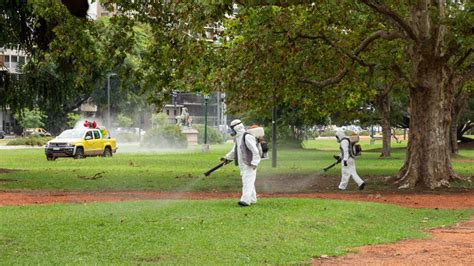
[{"x": 72, "y": 134}]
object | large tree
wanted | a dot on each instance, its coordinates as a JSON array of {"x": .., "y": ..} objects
[
  {"x": 434, "y": 36},
  {"x": 63, "y": 60},
  {"x": 437, "y": 43}
]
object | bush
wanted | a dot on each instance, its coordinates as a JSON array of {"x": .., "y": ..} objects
[
  {"x": 213, "y": 136},
  {"x": 165, "y": 137},
  {"x": 30, "y": 141},
  {"x": 72, "y": 119},
  {"x": 311, "y": 134}
]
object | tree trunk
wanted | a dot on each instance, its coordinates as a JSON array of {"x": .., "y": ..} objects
[
  {"x": 459, "y": 104},
  {"x": 384, "y": 106},
  {"x": 454, "y": 147},
  {"x": 432, "y": 90},
  {"x": 428, "y": 160}
]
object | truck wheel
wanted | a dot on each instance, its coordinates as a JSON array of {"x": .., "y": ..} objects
[
  {"x": 79, "y": 153},
  {"x": 51, "y": 158},
  {"x": 107, "y": 152}
]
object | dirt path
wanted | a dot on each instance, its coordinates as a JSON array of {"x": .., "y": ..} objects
[
  {"x": 448, "y": 246},
  {"x": 461, "y": 200}
]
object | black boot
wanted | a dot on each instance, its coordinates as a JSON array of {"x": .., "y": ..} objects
[{"x": 243, "y": 204}]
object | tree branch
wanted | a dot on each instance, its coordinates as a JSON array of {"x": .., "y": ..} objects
[
  {"x": 440, "y": 28},
  {"x": 303, "y": 36},
  {"x": 364, "y": 44},
  {"x": 326, "y": 82},
  {"x": 280, "y": 3},
  {"x": 376, "y": 35},
  {"x": 341, "y": 50},
  {"x": 398, "y": 70},
  {"x": 354, "y": 56},
  {"x": 463, "y": 58},
  {"x": 386, "y": 11},
  {"x": 467, "y": 75},
  {"x": 68, "y": 107}
]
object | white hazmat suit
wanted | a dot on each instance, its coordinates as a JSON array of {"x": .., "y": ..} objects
[
  {"x": 247, "y": 162},
  {"x": 348, "y": 167}
]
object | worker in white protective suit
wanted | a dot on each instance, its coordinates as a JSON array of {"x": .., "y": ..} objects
[
  {"x": 246, "y": 155},
  {"x": 348, "y": 168}
]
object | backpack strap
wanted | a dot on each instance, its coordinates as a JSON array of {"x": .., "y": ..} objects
[
  {"x": 349, "y": 148},
  {"x": 243, "y": 137},
  {"x": 236, "y": 155}
]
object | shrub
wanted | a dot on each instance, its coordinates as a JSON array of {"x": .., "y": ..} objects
[
  {"x": 165, "y": 137},
  {"x": 30, "y": 141},
  {"x": 213, "y": 136},
  {"x": 30, "y": 118},
  {"x": 72, "y": 119}
]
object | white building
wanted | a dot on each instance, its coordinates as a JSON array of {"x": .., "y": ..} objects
[
  {"x": 96, "y": 10},
  {"x": 11, "y": 61}
]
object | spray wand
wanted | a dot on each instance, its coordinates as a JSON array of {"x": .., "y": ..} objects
[
  {"x": 224, "y": 162},
  {"x": 338, "y": 160}
]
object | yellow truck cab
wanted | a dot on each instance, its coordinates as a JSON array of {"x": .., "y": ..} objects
[{"x": 80, "y": 143}]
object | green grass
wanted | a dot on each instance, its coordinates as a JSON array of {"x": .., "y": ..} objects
[
  {"x": 183, "y": 171},
  {"x": 275, "y": 231}
]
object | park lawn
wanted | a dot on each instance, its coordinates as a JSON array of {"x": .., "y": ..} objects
[
  {"x": 274, "y": 231},
  {"x": 183, "y": 170}
]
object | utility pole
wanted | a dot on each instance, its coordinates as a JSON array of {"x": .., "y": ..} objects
[
  {"x": 108, "y": 99},
  {"x": 205, "y": 147},
  {"x": 274, "y": 132}
]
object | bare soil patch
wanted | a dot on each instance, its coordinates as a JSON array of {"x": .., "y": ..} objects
[
  {"x": 441, "y": 200},
  {"x": 6, "y": 171},
  {"x": 447, "y": 246}
]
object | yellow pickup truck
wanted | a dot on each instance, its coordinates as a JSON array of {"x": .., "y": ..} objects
[{"x": 79, "y": 143}]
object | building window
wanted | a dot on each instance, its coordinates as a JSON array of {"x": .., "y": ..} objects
[
  {"x": 7, "y": 61},
  {"x": 21, "y": 60},
  {"x": 13, "y": 61},
  {"x": 168, "y": 112}
]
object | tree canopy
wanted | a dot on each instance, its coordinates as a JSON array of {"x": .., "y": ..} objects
[{"x": 312, "y": 57}]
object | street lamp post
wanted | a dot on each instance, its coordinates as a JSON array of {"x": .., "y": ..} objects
[
  {"x": 274, "y": 133},
  {"x": 108, "y": 98},
  {"x": 205, "y": 147}
]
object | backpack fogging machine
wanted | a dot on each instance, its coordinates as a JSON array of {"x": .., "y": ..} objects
[{"x": 222, "y": 163}]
